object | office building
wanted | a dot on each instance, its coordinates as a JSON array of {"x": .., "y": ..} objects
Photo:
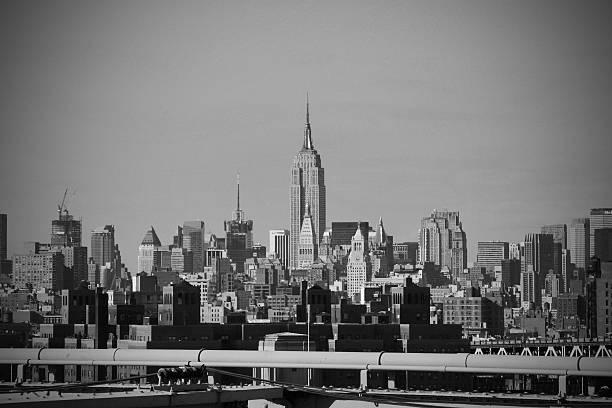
[
  {"x": 194, "y": 240},
  {"x": 405, "y": 252},
  {"x": 511, "y": 272},
  {"x": 559, "y": 234},
  {"x": 458, "y": 252},
  {"x": 3, "y": 237},
  {"x": 279, "y": 246},
  {"x": 358, "y": 268},
  {"x": 603, "y": 244},
  {"x": 598, "y": 218},
  {"x": 307, "y": 188},
  {"x": 567, "y": 270},
  {"x": 478, "y": 316},
  {"x": 41, "y": 271},
  {"x": 530, "y": 288},
  {"x": 538, "y": 252},
  {"x": 238, "y": 236},
  {"x": 146, "y": 251},
  {"x": 103, "y": 244},
  {"x": 578, "y": 241},
  {"x": 75, "y": 259},
  {"x": 181, "y": 260},
  {"x": 381, "y": 244},
  {"x": 514, "y": 250},
  {"x": 307, "y": 248},
  {"x": 437, "y": 235},
  {"x": 65, "y": 231},
  {"x": 342, "y": 233},
  {"x": 491, "y": 253}
]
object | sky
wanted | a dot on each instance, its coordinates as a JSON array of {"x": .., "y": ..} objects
[{"x": 147, "y": 110}]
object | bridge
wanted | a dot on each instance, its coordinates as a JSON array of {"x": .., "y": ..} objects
[
  {"x": 292, "y": 378},
  {"x": 588, "y": 347}
]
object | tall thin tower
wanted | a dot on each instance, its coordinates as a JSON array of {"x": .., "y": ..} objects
[{"x": 307, "y": 188}]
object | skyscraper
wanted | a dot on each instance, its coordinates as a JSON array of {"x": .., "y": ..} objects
[
  {"x": 307, "y": 187},
  {"x": 437, "y": 235},
  {"x": 3, "y": 233},
  {"x": 103, "y": 244},
  {"x": 578, "y": 241},
  {"x": 238, "y": 235},
  {"x": 146, "y": 251},
  {"x": 307, "y": 248},
  {"x": 559, "y": 234},
  {"x": 194, "y": 240},
  {"x": 65, "y": 231},
  {"x": 491, "y": 253},
  {"x": 599, "y": 218},
  {"x": 538, "y": 252},
  {"x": 279, "y": 246},
  {"x": 603, "y": 244},
  {"x": 358, "y": 268}
]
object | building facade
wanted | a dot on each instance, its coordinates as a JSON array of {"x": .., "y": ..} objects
[
  {"x": 578, "y": 241},
  {"x": 439, "y": 233},
  {"x": 279, "y": 246},
  {"x": 307, "y": 248},
  {"x": 598, "y": 218},
  {"x": 194, "y": 240},
  {"x": 358, "y": 268},
  {"x": 307, "y": 188},
  {"x": 103, "y": 244},
  {"x": 491, "y": 253},
  {"x": 146, "y": 251}
]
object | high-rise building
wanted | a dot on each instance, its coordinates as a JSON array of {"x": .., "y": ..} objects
[
  {"x": 75, "y": 258},
  {"x": 538, "y": 253},
  {"x": 307, "y": 248},
  {"x": 358, "y": 268},
  {"x": 405, "y": 252},
  {"x": 194, "y": 240},
  {"x": 458, "y": 252},
  {"x": 603, "y": 244},
  {"x": 3, "y": 235},
  {"x": 559, "y": 234},
  {"x": 41, "y": 271},
  {"x": 514, "y": 250},
  {"x": 239, "y": 236},
  {"x": 103, "y": 244},
  {"x": 578, "y": 241},
  {"x": 146, "y": 251},
  {"x": 342, "y": 232},
  {"x": 599, "y": 218},
  {"x": 567, "y": 270},
  {"x": 307, "y": 188},
  {"x": 5, "y": 264},
  {"x": 65, "y": 231},
  {"x": 439, "y": 233},
  {"x": 511, "y": 271},
  {"x": 491, "y": 253},
  {"x": 530, "y": 290},
  {"x": 181, "y": 260},
  {"x": 381, "y": 244},
  {"x": 279, "y": 246}
]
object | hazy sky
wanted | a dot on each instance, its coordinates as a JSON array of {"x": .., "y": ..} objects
[{"x": 501, "y": 110}]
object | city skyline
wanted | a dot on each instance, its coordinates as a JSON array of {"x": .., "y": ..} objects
[{"x": 124, "y": 114}]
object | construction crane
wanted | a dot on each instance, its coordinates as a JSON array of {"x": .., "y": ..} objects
[{"x": 60, "y": 207}]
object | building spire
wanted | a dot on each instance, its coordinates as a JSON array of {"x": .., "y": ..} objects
[
  {"x": 238, "y": 214},
  {"x": 307, "y": 131},
  {"x": 238, "y": 192}
]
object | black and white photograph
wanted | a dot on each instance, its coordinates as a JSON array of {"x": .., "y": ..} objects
[{"x": 305, "y": 204}]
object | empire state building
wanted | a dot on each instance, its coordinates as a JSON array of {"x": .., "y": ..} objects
[{"x": 307, "y": 188}]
